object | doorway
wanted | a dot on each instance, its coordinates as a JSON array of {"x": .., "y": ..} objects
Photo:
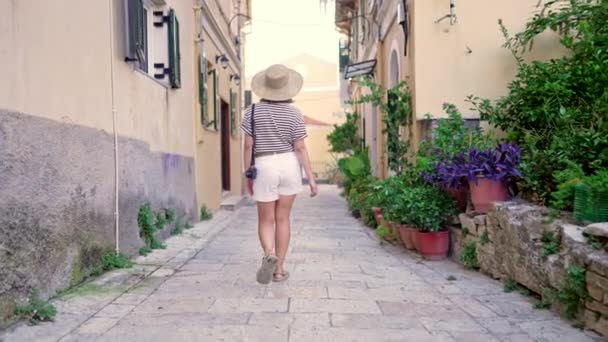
[{"x": 225, "y": 145}]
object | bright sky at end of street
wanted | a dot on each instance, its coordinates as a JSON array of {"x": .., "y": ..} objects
[{"x": 281, "y": 29}]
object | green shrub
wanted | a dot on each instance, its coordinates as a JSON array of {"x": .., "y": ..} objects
[
  {"x": 468, "y": 255},
  {"x": 111, "y": 260},
  {"x": 145, "y": 250},
  {"x": 484, "y": 238},
  {"x": 170, "y": 215},
  {"x": 345, "y": 137},
  {"x": 556, "y": 109},
  {"x": 425, "y": 207},
  {"x": 178, "y": 227},
  {"x": 36, "y": 310}
]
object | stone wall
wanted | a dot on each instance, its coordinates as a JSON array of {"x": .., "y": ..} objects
[
  {"x": 509, "y": 245},
  {"x": 57, "y": 200}
]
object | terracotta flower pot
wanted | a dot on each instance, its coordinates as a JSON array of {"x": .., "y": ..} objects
[
  {"x": 407, "y": 234},
  {"x": 377, "y": 210},
  {"x": 392, "y": 226},
  {"x": 485, "y": 192},
  {"x": 434, "y": 245},
  {"x": 460, "y": 196}
]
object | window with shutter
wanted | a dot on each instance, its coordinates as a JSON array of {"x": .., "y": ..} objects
[
  {"x": 202, "y": 91},
  {"x": 174, "y": 53},
  {"x": 136, "y": 33},
  {"x": 233, "y": 106}
]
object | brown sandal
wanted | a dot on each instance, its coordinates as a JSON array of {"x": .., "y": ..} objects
[{"x": 279, "y": 277}]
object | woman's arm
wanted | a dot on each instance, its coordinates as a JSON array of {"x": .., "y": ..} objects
[
  {"x": 302, "y": 153},
  {"x": 247, "y": 148}
]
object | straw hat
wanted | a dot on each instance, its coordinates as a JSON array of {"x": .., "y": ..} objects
[{"x": 277, "y": 83}]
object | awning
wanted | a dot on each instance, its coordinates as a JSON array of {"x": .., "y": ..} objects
[{"x": 360, "y": 69}]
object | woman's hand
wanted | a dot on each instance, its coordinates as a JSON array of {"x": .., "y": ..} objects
[{"x": 314, "y": 190}]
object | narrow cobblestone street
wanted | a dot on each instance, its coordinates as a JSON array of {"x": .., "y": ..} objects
[{"x": 344, "y": 286}]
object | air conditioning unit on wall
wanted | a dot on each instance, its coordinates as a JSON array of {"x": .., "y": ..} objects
[{"x": 159, "y": 2}]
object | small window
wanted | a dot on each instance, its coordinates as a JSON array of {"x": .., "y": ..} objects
[{"x": 136, "y": 32}]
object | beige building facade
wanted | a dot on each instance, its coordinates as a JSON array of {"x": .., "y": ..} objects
[
  {"x": 444, "y": 50},
  {"x": 99, "y": 113}
]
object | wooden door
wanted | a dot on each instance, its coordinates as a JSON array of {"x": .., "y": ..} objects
[{"x": 225, "y": 133}]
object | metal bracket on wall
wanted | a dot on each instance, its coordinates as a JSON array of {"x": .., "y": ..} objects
[
  {"x": 163, "y": 71},
  {"x": 451, "y": 15},
  {"x": 160, "y": 19}
]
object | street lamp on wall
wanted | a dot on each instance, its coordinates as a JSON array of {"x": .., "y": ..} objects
[
  {"x": 236, "y": 79},
  {"x": 222, "y": 60}
]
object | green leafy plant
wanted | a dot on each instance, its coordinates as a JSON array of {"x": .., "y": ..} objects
[
  {"x": 170, "y": 215},
  {"x": 147, "y": 221},
  {"x": 550, "y": 244},
  {"x": 205, "y": 213},
  {"x": 510, "y": 285},
  {"x": 188, "y": 225},
  {"x": 425, "y": 207},
  {"x": 468, "y": 255},
  {"x": 574, "y": 291},
  {"x": 345, "y": 137},
  {"x": 484, "y": 238},
  {"x": 36, "y": 309},
  {"x": 112, "y": 260}
]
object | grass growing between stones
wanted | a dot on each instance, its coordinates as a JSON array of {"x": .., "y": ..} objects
[
  {"x": 36, "y": 310},
  {"x": 451, "y": 278},
  {"x": 574, "y": 292},
  {"x": 484, "y": 238},
  {"x": 468, "y": 255},
  {"x": 205, "y": 213},
  {"x": 550, "y": 244},
  {"x": 178, "y": 227},
  {"x": 510, "y": 285},
  {"x": 548, "y": 297},
  {"x": 112, "y": 260}
]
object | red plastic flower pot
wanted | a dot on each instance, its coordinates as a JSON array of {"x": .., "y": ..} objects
[
  {"x": 460, "y": 196},
  {"x": 485, "y": 192},
  {"x": 407, "y": 234},
  {"x": 433, "y": 245}
]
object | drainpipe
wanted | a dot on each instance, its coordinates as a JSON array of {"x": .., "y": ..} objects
[{"x": 116, "y": 179}]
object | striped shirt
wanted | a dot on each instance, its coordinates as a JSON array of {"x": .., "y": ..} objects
[{"x": 277, "y": 127}]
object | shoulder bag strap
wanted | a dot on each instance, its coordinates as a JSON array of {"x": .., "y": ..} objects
[{"x": 253, "y": 135}]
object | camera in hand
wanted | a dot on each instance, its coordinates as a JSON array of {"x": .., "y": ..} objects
[{"x": 251, "y": 173}]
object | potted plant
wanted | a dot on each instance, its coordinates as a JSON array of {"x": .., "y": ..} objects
[
  {"x": 489, "y": 172},
  {"x": 400, "y": 212},
  {"x": 449, "y": 175},
  {"x": 430, "y": 210}
]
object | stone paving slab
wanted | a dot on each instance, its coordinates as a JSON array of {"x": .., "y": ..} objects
[{"x": 345, "y": 286}]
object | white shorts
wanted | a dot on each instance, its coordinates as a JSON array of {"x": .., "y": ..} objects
[{"x": 278, "y": 175}]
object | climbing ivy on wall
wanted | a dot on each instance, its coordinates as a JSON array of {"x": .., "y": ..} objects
[{"x": 396, "y": 106}]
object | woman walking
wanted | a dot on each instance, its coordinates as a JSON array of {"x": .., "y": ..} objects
[{"x": 275, "y": 153}]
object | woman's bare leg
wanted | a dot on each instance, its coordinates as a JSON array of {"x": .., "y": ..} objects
[
  {"x": 283, "y": 231},
  {"x": 266, "y": 222}
]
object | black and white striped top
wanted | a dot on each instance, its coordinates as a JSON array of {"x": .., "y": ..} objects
[{"x": 277, "y": 126}]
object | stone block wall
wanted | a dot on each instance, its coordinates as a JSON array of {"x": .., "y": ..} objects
[{"x": 509, "y": 245}]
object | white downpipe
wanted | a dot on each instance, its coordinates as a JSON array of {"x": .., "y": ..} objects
[{"x": 116, "y": 180}]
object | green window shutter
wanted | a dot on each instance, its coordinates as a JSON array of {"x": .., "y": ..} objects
[
  {"x": 174, "y": 53},
  {"x": 202, "y": 90},
  {"x": 135, "y": 31},
  {"x": 233, "y": 106},
  {"x": 216, "y": 103}
]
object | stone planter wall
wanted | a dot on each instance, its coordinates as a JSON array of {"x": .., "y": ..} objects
[{"x": 513, "y": 248}]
